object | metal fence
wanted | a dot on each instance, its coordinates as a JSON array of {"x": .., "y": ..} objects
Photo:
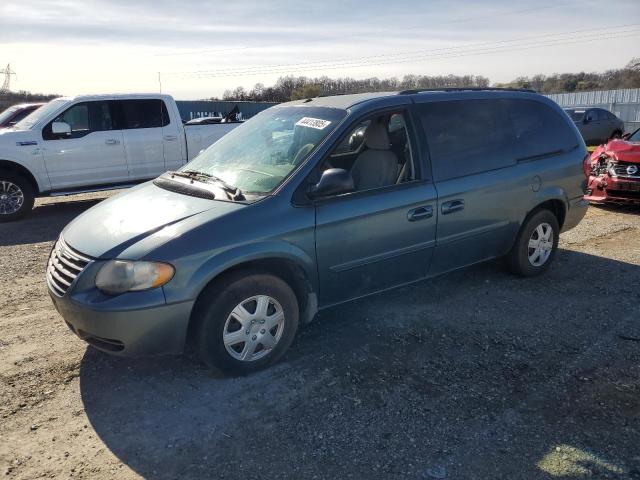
[
  {"x": 625, "y": 103},
  {"x": 203, "y": 108}
]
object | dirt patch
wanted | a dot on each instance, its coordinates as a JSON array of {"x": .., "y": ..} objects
[{"x": 475, "y": 374}]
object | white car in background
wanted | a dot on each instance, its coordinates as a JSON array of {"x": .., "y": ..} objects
[{"x": 95, "y": 142}]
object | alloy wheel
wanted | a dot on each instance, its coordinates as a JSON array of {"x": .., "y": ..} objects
[{"x": 11, "y": 197}]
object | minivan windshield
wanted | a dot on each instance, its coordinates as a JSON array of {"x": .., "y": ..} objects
[
  {"x": 258, "y": 155},
  {"x": 43, "y": 112},
  {"x": 576, "y": 115}
]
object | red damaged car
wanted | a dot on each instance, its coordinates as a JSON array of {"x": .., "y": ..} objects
[{"x": 614, "y": 171}]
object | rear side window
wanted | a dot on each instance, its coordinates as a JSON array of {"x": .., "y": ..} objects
[
  {"x": 467, "y": 137},
  {"x": 151, "y": 113},
  {"x": 539, "y": 130}
]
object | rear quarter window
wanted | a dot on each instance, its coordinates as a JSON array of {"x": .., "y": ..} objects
[
  {"x": 467, "y": 136},
  {"x": 539, "y": 129}
]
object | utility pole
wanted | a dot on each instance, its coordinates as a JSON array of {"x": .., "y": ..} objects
[{"x": 7, "y": 79}]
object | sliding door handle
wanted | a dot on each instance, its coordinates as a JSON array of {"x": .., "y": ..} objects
[
  {"x": 420, "y": 213},
  {"x": 452, "y": 206}
]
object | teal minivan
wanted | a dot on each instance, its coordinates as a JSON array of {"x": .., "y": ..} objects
[{"x": 314, "y": 203}]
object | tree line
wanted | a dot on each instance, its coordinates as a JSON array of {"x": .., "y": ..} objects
[
  {"x": 294, "y": 88},
  {"x": 12, "y": 98}
]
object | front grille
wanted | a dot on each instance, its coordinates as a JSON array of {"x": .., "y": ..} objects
[
  {"x": 65, "y": 264},
  {"x": 621, "y": 169}
]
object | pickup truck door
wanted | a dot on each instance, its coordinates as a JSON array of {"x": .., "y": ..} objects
[
  {"x": 372, "y": 240},
  {"x": 142, "y": 126},
  {"x": 173, "y": 140},
  {"x": 92, "y": 154}
]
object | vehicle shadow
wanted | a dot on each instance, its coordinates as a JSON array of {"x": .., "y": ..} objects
[
  {"x": 476, "y": 373},
  {"x": 46, "y": 221}
]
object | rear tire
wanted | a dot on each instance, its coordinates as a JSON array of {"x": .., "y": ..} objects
[
  {"x": 535, "y": 246},
  {"x": 240, "y": 313},
  {"x": 16, "y": 196}
]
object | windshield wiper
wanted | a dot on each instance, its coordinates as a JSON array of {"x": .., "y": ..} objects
[{"x": 234, "y": 193}]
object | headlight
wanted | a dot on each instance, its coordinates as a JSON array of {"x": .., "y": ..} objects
[{"x": 119, "y": 276}]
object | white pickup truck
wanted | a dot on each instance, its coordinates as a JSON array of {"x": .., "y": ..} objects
[{"x": 95, "y": 142}]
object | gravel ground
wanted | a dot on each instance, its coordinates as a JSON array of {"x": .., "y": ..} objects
[{"x": 476, "y": 374}]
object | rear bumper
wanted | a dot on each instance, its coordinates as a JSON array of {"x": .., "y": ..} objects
[
  {"x": 575, "y": 213},
  {"x": 131, "y": 331},
  {"x": 606, "y": 189}
]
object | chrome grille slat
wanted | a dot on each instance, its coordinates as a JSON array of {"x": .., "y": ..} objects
[{"x": 64, "y": 265}]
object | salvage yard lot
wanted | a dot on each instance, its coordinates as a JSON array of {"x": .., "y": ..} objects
[{"x": 475, "y": 374}]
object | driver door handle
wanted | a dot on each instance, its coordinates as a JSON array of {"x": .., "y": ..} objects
[
  {"x": 452, "y": 206},
  {"x": 420, "y": 213},
  {"x": 170, "y": 138},
  {"x": 112, "y": 141}
]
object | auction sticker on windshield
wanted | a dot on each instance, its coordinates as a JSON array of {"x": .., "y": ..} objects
[{"x": 317, "y": 123}]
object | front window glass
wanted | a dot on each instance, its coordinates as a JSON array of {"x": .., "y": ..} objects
[
  {"x": 576, "y": 115},
  {"x": 259, "y": 154},
  {"x": 43, "y": 112}
]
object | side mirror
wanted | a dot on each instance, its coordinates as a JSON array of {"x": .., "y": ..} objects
[
  {"x": 334, "y": 181},
  {"x": 585, "y": 120},
  {"x": 626, "y": 136},
  {"x": 60, "y": 128}
]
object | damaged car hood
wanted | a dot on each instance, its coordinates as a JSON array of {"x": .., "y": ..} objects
[{"x": 618, "y": 150}]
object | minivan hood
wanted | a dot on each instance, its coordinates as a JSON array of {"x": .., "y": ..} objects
[{"x": 119, "y": 222}]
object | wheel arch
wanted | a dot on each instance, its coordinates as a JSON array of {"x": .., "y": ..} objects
[
  {"x": 8, "y": 165},
  {"x": 293, "y": 271}
]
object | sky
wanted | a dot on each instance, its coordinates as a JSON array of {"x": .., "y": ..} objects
[{"x": 199, "y": 49}]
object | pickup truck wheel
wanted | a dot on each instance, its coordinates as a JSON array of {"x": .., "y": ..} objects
[
  {"x": 535, "y": 246},
  {"x": 247, "y": 325},
  {"x": 16, "y": 196}
]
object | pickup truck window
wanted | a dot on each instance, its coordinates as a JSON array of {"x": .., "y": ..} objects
[
  {"x": 146, "y": 113},
  {"x": 258, "y": 155},
  {"x": 83, "y": 118}
]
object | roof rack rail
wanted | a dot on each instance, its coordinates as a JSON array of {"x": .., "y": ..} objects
[{"x": 463, "y": 89}]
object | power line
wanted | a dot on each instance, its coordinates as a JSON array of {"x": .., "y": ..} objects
[
  {"x": 261, "y": 68},
  {"x": 442, "y": 57},
  {"x": 356, "y": 35},
  {"x": 403, "y": 57}
]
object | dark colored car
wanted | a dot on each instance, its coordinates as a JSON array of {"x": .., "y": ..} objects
[
  {"x": 14, "y": 114},
  {"x": 596, "y": 125},
  {"x": 614, "y": 171},
  {"x": 313, "y": 203}
]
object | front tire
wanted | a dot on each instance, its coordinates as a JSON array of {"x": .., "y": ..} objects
[
  {"x": 245, "y": 322},
  {"x": 535, "y": 246},
  {"x": 16, "y": 196}
]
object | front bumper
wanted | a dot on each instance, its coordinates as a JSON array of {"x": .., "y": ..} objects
[
  {"x": 127, "y": 327},
  {"x": 608, "y": 189}
]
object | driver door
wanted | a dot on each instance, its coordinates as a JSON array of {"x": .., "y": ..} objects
[
  {"x": 92, "y": 154},
  {"x": 378, "y": 238}
]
